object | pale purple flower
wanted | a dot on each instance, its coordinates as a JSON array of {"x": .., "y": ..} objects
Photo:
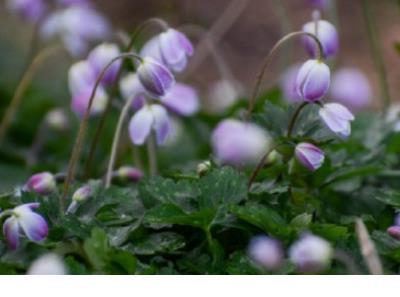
[
  {"x": 131, "y": 87},
  {"x": 311, "y": 253},
  {"x": 266, "y": 252},
  {"x": 182, "y": 99},
  {"x": 57, "y": 119},
  {"x": 351, "y": 87},
  {"x": 313, "y": 80},
  {"x": 156, "y": 79},
  {"x": 102, "y": 55},
  {"x": 394, "y": 231},
  {"x": 150, "y": 117},
  {"x": 42, "y": 183},
  {"x": 221, "y": 95},
  {"x": 337, "y": 118},
  {"x": 80, "y": 195},
  {"x": 129, "y": 173},
  {"x": 81, "y": 76},
  {"x": 238, "y": 143},
  {"x": 29, "y": 10},
  {"x": 326, "y": 34},
  {"x": 80, "y": 102},
  {"x": 48, "y": 264},
  {"x": 172, "y": 48},
  {"x": 288, "y": 84},
  {"x": 320, "y": 4},
  {"x": 309, "y": 155},
  {"x": 24, "y": 221}
]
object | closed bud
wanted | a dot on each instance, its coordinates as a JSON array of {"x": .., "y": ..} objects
[
  {"x": 48, "y": 264},
  {"x": 203, "y": 168},
  {"x": 266, "y": 252},
  {"x": 327, "y": 35},
  {"x": 394, "y": 231},
  {"x": 41, "y": 183},
  {"x": 337, "y": 118},
  {"x": 309, "y": 155},
  {"x": 311, "y": 253},
  {"x": 313, "y": 80},
  {"x": 129, "y": 173},
  {"x": 82, "y": 194}
]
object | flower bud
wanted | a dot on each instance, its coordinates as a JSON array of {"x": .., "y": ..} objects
[
  {"x": 155, "y": 78},
  {"x": 203, "y": 168},
  {"x": 311, "y": 253},
  {"x": 239, "y": 144},
  {"x": 41, "y": 183},
  {"x": 48, "y": 264},
  {"x": 102, "y": 55},
  {"x": 309, "y": 155},
  {"x": 266, "y": 252},
  {"x": 82, "y": 194},
  {"x": 394, "y": 231},
  {"x": 57, "y": 119},
  {"x": 182, "y": 99},
  {"x": 313, "y": 80},
  {"x": 288, "y": 84},
  {"x": 351, "y": 88},
  {"x": 129, "y": 173},
  {"x": 327, "y": 35},
  {"x": 337, "y": 118},
  {"x": 29, "y": 10}
]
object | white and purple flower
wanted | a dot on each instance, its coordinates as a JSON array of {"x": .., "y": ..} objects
[
  {"x": 42, "y": 183},
  {"x": 266, "y": 252},
  {"x": 327, "y": 35},
  {"x": 150, "y": 117},
  {"x": 182, "y": 99},
  {"x": 24, "y": 221},
  {"x": 337, "y": 118},
  {"x": 309, "y": 155},
  {"x": 48, "y": 264},
  {"x": 80, "y": 195},
  {"x": 130, "y": 173},
  {"x": 102, "y": 55},
  {"x": 29, "y": 10}
]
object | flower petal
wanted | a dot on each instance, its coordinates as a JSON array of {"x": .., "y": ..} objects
[
  {"x": 162, "y": 124},
  {"x": 140, "y": 125},
  {"x": 33, "y": 225},
  {"x": 11, "y": 232},
  {"x": 182, "y": 99}
]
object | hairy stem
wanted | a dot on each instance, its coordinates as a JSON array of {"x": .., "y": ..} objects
[
  {"x": 268, "y": 61},
  {"x": 376, "y": 53},
  {"x": 21, "y": 88}
]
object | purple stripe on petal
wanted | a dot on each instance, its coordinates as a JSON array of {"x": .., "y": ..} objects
[
  {"x": 162, "y": 125},
  {"x": 309, "y": 155},
  {"x": 140, "y": 125},
  {"x": 170, "y": 47},
  {"x": 11, "y": 232},
  {"x": 33, "y": 225}
]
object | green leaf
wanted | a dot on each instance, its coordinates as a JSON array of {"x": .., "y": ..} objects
[
  {"x": 164, "y": 242},
  {"x": 124, "y": 260},
  {"x": 97, "y": 248},
  {"x": 302, "y": 221},
  {"x": 390, "y": 197},
  {"x": 330, "y": 231}
]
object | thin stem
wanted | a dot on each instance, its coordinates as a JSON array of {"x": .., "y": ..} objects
[
  {"x": 376, "y": 53},
  {"x": 37, "y": 144},
  {"x": 21, "y": 88},
  {"x": 294, "y": 118},
  {"x": 260, "y": 165},
  {"x": 114, "y": 91},
  {"x": 152, "y": 154},
  {"x": 76, "y": 151},
  {"x": 268, "y": 61},
  {"x": 116, "y": 139}
]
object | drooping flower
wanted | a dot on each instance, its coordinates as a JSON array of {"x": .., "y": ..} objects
[
  {"x": 80, "y": 195},
  {"x": 100, "y": 56},
  {"x": 266, "y": 252},
  {"x": 171, "y": 48},
  {"x": 48, "y": 264},
  {"x": 309, "y": 155},
  {"x": 150, "y": 117},
  {"x": 288, "y": 84},
  {"x": 311, "y": 253},
  {"x": 42, "y": 183},
  {"x": 81, "y": 75},
  {"x": 131, "y": 87},
  {"x": 155, "y": 78},
  {"x": 182, "y": 99},
  {"x": 29, "y": 10},
  {"x": 313, "y": 80},
  {"x": 80, "y": 101},
  {"x": 24, "y": 221},
  {"x": 351, "y": 88},
  {"x": 337, "y": 118},
  {"x": 326, "y": 34},
  {"x": 238, "y": 143},
  {"x": 129, "y": 173}
]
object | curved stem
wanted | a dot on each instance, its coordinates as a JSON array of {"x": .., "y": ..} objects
[
  {"x": 268, "y": 61},
  {"x": 115, "y": 142},
  {"x": 114, "y": 91},
  {"x": 294, "y": 118},
  {"x": 21, "y": 88},
  {"x": 260, "y": 165},
  {"x": 82, "y": 128}
]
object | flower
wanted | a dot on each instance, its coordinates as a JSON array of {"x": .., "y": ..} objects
[
  {"x": 42, "y": 183},
  {"x": 147, "y": 118},
  {"x": 80, "y": 195},
  {"x": 327, "y": 35},
  {"x": 30, "y": 10},
  {"x": 48, "y": 264},
  {"x": 130, "y": 86},
  {"x": 337, "y": 118},
  {"x": 394, "y": 231},
  {"x": 311, "y": 253},
  {"x": 81, "y": 76},
  {"x": 288, "y": 84},
  {"x": 351, "y": 87},
  {"x": 155, "y": 78},
  {"x": 237, "y": 143},
  {"x": 266, "y": 252},
  {"x": 320, "y": 4},
  {"x": 313, "y": 80},
  {"x": 57, "y": 119},
  {"x": 24, "y": 221},
  {"x": 171, "y": 48},
  {"x": 182, "y": 99},
  {"x": 80, "y": 101},
  {"x": 309, "y": 155},
  {"x": 102, "y": 55},
  {"x": 129, "y": 173},
  {"x": 222, "y": 94}
]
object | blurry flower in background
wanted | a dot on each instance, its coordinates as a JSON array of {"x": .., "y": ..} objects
[
  {"x": 351, "y": 87},
  {"x": 182, "y": 99},
  {"x": 29, "y": 10},
  {"x": 81, "y": 75},
  {"x": 394, "y": 230},
  {"x": 309, "y": 155},
  {"x": 238, "y": 143},
  {"x": 48, "y": 264},
  {"x": 337, "y": 118},
  {"x": 266, "y": 252},
  {"x": 43, "y": 183},
  {"x": 102, "y": 55},
  {"x": 311, "y": 253},
  {"x": 24, "y": 221},
  {"x": 221, "y": 95},
  {"x": 320, "y": 4},
  {"x": 129, "y": 173},
  {"x": 288, "y": 84},
  {"x": 57, "y": 119},
  {"x": 80, "y": 101}
]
